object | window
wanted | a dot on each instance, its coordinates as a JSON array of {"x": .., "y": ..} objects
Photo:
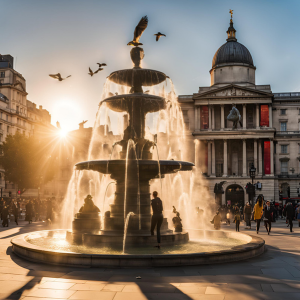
[
  {"x": 7, "y": 129},
  {"x": 204, "y": 117},
  {"x": 283, "y": 126},
  {"x": 2, "y": 74},
  {"x": 284, "y": 149},
  {"x": 283, "y": 111},
  {"x": 284, "y": 167},
  {"x": 0, "y": 126}
]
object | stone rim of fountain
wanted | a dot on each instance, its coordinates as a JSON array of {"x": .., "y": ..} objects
[{"x": 35, "y": 253}]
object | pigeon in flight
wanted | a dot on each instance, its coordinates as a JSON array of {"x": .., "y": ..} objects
[
  {"x": 100, "y": 69},
  {"x": 158, "y": 35},
  {"x": 101, "y": 65},
  {"x": 139, "y": 29},
  {"x": 58, "y": 76},
  {"x": 90, "y": 72}
]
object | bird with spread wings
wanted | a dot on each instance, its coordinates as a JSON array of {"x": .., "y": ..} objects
[
  {"x": 58, "y": 76},
  {"x": 139, "y": 29}
]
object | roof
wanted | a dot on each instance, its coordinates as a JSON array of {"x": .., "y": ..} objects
[{"x": 232, "y": 52}]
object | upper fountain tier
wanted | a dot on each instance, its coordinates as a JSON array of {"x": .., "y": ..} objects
[{"x": 137, "y": 77}]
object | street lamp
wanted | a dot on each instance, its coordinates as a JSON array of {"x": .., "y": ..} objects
[{"x": 252, "y": 175}]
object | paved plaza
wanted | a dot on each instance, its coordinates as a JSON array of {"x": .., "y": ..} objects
[{"x": 273, "y": 275}]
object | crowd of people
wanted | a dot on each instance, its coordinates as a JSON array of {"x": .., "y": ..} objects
[
  {"x": 28, "y": 210},
  {"x": 262, "y": 211}
]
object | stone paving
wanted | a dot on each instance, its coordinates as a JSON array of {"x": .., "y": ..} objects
[{"x": 273, "y": 275}]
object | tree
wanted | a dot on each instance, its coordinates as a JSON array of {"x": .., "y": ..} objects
[{"x": 25, "y": 160}]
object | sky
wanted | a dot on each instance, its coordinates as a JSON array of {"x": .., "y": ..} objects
[{"x": 69, "y": 36}]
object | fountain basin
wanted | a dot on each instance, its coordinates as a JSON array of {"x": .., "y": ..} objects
[
  {"x": 137, "y": 76},
  {"x": 145, "y": 166},
  {"x": 146, "y": 103},
  {"x": 240, "y": 246}
]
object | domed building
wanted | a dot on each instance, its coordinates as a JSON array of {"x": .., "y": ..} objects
[
  {"x": 264, "y": 136},
  {"x": 232, "y": 62}
]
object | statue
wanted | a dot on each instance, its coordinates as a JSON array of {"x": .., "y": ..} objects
[
  {"x": 81, "y": 124},
  {"x": 89, "y": 206},
  {"x": 235, "y": 117},
  {"x": 177, "y": 221},
  {"x": 231, "y": 12}
]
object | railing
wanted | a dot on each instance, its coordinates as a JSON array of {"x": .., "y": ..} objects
[
  {"x": 287, "y": 132},
  {"x": 286, "y": 94}
]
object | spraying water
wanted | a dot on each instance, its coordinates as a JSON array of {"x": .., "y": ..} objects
[{"x": 125, "y": 229}]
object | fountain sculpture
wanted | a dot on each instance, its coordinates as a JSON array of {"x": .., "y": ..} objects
[{"x": 135, "y": 168}]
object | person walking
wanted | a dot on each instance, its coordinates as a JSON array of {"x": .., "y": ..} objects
[
  {"x": 268, "y": 216},
  {"x": 258, "y": 211},
  {"x": 247, "y": 215},
  {"x": 15, "y": 211},
  {"x": 5, "y": 213},
  {"x": 157, "y": 217},
  {"x": 290, "y": 214}
]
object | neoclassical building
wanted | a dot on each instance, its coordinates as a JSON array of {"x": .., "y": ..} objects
[{"x": 268, "y": 136}]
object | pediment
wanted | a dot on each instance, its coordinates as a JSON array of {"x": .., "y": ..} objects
[
  {"x": 232, "y": 91},
  {"x": 19, "y": 85}
]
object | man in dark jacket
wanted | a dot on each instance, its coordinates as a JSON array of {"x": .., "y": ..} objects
[
  {"x": 5, "y": 213},
  {"x": 247, "y": 214},
  {"x": 15, "y": 211},
  {"x": 290, "y": 215},
  {"x": 157, "y": 217},
  {"x": 268, "y": 216}
]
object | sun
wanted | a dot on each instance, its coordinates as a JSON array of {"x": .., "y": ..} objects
[{"x": 63, "y": 133}]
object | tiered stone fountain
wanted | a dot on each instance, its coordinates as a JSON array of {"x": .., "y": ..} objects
[{"x": 135, "y": 168}]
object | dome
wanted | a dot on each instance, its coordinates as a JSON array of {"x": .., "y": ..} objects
[{"x": 232, "y": 52}]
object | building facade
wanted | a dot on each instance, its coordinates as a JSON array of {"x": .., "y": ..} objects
[{"x": 268, "y": 135}]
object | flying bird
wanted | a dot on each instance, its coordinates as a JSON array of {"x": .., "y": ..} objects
[
  {"x": 100, "y": 69},
  {"x": 100, "y": 65},
  {"x": 139, "y": 29},
  {"x": 58, "y": 76},
  {"x": 158, "y": 35},
  {"x": 91, "y": 72}
]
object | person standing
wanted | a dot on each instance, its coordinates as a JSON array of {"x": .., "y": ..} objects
[
  {"x": 15, "y": 211},
  {"x": 157, "y": 217},
  {"x": 268, "y": 216},
  {"x": 5, "y": 213},
  {"x": 298, "y": 213},
  {"x": 290, "y": 214},
  {"x": 217, "y": 220},
  {"x": 247, "y": 214},
  {"x": 29, "y": 212},
  {"x": 237, "y": 219},
  {"x": 258, "y": 211}
]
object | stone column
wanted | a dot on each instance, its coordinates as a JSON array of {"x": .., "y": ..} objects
[
  {"x": 209, "y": 117},
  {"x": 244, "y": 159},
  {"x": 225, "y": 166},
  {"x": 272, "y": 156},
  {"x": 196, "y": 117},
  {"x": 213, "y": 117},
  {"x": 199, "y": 117},
  {"x": 270, "y": 116},
  {"x": 213, "y": 159},
  {"x": 197, "y": 154},
  {"x": 259, "y": 158},
  {"x": 255, "y": 155},
  {"x": 222, "y": 117},
  {"x": 208, "y": 158},
  {"x": 257, "y": 116},
  {"x": 244, "y": 116}
]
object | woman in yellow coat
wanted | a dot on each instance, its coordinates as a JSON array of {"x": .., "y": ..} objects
[{"x": 258, "y": 212}]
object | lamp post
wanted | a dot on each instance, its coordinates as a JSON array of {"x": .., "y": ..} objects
[{"x": 252, "y": 175}]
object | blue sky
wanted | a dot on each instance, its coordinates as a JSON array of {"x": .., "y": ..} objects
[{"x": 69, "y": 36}]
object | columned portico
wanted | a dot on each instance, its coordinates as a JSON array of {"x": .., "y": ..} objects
[
  {"x": 225, "y": 168},
  {"x": 244, "y": 159}
]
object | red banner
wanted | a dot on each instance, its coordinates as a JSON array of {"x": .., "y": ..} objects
[
  {"x": 204, "y": 117},
  {"x": 267, "y": 157},
  {"x": 264, "y": 115}
]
